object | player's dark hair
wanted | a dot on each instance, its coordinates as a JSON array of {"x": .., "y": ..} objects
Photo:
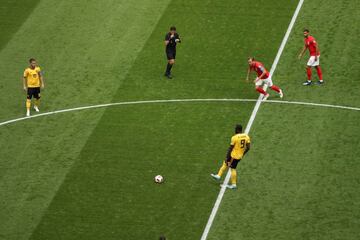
[
  {"x": 162, "y": 237},
  {"x": 238, "y": 128},
  {"x": 172, "y": 28},
  {"x": 31, "y": 60},
  {"x": 306, "y": 30},
  {"x": 252, "y": 58}
]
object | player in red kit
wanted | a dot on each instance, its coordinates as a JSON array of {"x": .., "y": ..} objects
[
  {"x": 263, "y": 77},
  {"x": 314, "y": 60}
]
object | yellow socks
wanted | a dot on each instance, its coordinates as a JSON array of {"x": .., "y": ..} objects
[
  {"x": 37, "y": 102},
  {"x": 28, "y": 104},
  {"x": 233, "y": 176},
  {"x": 222, "y": 169}
]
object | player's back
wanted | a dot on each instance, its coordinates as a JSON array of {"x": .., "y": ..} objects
[{"x": 239, "y": 142}]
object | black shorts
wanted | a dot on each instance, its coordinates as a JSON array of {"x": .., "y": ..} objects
[
  {"x": 170, "y": 53},
  {"x": 33, "y": 91},
  {"x": 234, "y": 163}
]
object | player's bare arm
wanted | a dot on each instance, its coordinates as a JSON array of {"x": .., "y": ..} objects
[
  {"x": 228, "y": 155},
  {"x": 260, "y": 77},
  {"x": 302, "y": 52},
  {"x": 24, "y": 84},
  {"x": 248, "y": 73},
  {"x": 229, "y": 163},
  {"x": 316, "y": 50},
  {"x": 41, "y": 78}
]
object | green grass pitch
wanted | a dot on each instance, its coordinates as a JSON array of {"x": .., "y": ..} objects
[{"x": 89, "y": 174}]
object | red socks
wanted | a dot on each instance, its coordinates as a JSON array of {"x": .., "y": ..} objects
[
  {"x": 308, "y": 71},
  {"x": 260, "y": 90},
  {"x": 319, "y": 72},
  {"x": 275, "y": 88}
]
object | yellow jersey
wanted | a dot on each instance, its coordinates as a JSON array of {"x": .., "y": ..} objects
[
  {"x": 32, "y": 77},
  {"x": 239, "y": 142}
]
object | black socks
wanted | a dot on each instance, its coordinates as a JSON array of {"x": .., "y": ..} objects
[{"x": 168, "y": 69}]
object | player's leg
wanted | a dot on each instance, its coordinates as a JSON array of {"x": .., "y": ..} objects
[
  {"x": 169, "y": 66},
  {"x": 28, "y": 101},
  {"x": 270, "y": 84},
  {"x": 221, "y": 171},
  {"x": 259, "y": 88},
  {"x": 309, "y": 70},
  {"x": 309, "y": 73},
  {"x": 319, "y": 71},
  {"x": 171, "y": 61},
  {"x": 233, "y": 178},
  {"x": 37, "y": 99}
]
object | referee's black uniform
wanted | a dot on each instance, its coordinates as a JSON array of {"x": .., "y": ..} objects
[{"x": 173, "y": 39}]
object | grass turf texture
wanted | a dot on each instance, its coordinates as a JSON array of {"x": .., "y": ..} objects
[
  {"x": 302, "y": 183},
  {"x": 98, "y": 184},
  {"x": 110, "y": 193}
]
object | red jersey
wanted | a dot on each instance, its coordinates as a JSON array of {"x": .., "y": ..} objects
[
  {"x": 259, "y": 68},
  {"x": 310, "y": 43}
]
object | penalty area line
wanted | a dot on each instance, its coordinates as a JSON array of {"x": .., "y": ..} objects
[{"x": 251, "y": 121}]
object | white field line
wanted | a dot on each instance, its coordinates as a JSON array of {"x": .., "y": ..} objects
[
  {"x": 251, "y": 121},
  {"x": 175, "y": 101}
]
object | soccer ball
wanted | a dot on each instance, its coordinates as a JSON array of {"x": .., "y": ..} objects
[{"x": 159, "y": 179}]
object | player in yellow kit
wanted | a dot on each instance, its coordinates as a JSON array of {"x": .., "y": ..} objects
[
  {"x": 32, "y": 82},
  {"x": 240, "y": 145}
]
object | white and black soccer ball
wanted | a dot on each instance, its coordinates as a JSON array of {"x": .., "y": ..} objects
[{"x": 159, "y": 179}]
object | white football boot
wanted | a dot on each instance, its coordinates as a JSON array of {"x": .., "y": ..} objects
[
  {"x": 229, "y": 186},
  {"x": 281, "y": 94},
  {"x": 232, "y": 186},
  {"x": 266, "y": 97},
  {"x": 215, "y": 176}
]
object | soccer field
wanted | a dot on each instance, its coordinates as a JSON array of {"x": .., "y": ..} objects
[{"x": 88, "y": 173}]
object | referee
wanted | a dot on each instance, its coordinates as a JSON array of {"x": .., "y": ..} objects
[{"x": 171, "y": 39}]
